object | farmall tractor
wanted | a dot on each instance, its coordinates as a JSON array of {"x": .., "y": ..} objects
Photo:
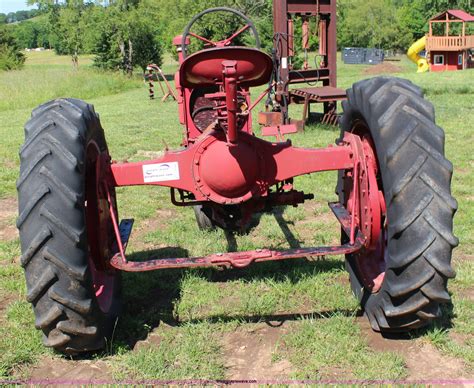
[{"x": 395, "y": 206}]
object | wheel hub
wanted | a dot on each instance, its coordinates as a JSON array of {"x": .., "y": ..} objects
[
  {"x": 99, "y": 229},
  {"x": 366, "y": 203}
]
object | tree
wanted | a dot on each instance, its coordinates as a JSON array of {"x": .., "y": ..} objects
[
  {"x": 129, "y": 38},
  {"x": 414, "y": 14},
  {"x": 70, "y": 27},
  {"x": 65, "y": 20},
  {"x": 18, "y": 16},
  {"x": 371, "y": 23},
  {"x": 25, "y": 34},
  {"x": 146, "y": 46},
  {"x": 174, "y": 15},
  {"x": 11, "y": 56}
]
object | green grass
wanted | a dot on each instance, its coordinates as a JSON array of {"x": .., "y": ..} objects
[
  {"x": 183, "y": 313},
  {"x": 185, "y": 353},
  {"x": 20, "y": 342},
  {"x": 50, "y": 59},
  {"x": 304, "y": 288},
  {"x": 37, "y": 84},
  {"x": 323, "y": 348}
]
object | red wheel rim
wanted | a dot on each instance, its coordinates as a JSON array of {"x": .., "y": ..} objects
[
  {"x": 370, "y": 262},
  {"x": 100, "y": 234}
]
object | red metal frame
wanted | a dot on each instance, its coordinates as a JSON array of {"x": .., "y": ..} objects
[
  {"x": 277, "y": 162},
  {"x": 244, "y": 259},
  {"x": 287, "y": 162},
  {"x": 224, "y": 164},
  {"x": 285, "y": 14}
]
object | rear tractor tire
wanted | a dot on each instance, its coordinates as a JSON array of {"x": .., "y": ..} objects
[
  {"x": 403, "y": 287},
  {"x": 65, "y": 227},
  {"x": 203, "y": 217}
]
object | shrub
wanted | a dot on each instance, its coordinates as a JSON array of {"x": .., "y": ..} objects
[{"x": 11, "y": 56}]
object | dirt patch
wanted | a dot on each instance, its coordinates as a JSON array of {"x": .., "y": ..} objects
[
  {"x": 10, "y": 165},
  {"x": 458, "y": 338},
  {"x": 466, "y": 293},
  {"x": 343, "y": 280},
  {"x": 423, "y": 360},
  {"x": 5, "y": 301},
  {"x": 383, "y": 68},
  {"x": 461, "y": 256},
  {"x": 157, "y": 222},
  {"x": 61, "y": 371},
  {"x": 249, "y": 353},
  {"x": 8, "y": 213},
  {"x": 426, "y": 362},
  {"x": 379, "y": 343}
]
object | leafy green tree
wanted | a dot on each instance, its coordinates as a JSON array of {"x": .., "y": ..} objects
[
  {"x": 11, "y": 56},
  {"x": 106, "y": 50},
  {"x": 94, "y": 21},
  {"x": 415, "y": 14},
  {"x": 31, "y": 33},
  {"x": 43, "y": 33},
  {"x": 174, "y": 15},
  {"x": 25, "y": 34},
  {"x": 370, "y": 23},
  {"x": 129, "y": 38},
  {"x": 146, "y": 46},
  {"x": 18, "y": 16},
  {"x": 66, "y": 25},
  {"x": 71, "y": 29}
]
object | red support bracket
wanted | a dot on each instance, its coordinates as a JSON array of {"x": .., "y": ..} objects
[{"x": 244, "y": 259}]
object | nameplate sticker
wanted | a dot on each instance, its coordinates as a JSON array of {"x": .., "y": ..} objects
[{"x": 160, "y": 172}]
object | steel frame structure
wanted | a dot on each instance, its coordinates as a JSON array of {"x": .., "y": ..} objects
[{"x": 285, "y": 14}]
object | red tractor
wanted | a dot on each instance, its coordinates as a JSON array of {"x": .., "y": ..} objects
[{"x": 395, "y": 206}]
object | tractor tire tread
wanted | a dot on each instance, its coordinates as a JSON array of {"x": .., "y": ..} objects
[
  {"x": 417, "y": 178},
  {"x": 52, "y": 227}
]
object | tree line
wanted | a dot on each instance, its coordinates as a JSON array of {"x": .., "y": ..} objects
[
  {"x": 18, "y": 16},
  {"x": 128, "y": 34}
]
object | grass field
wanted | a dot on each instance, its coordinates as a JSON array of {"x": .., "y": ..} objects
[{"x": 272, "y": 321}]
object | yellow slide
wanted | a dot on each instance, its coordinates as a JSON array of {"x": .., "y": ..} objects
[{"x": 413, "y": 52}]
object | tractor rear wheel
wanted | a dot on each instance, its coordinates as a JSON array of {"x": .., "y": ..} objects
[
  {"x": 403, "y": 285},
  {"x": 203, "y": 217},
  {"x": 65, "y": 227}
]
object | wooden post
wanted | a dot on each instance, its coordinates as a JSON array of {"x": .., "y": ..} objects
[{"x": 447, "y": 24}]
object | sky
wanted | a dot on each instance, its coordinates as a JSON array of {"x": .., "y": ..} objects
[{"x": 13, "y": 5}]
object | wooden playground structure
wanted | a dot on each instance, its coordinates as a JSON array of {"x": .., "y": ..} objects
[{"x": 454, "y": 49}]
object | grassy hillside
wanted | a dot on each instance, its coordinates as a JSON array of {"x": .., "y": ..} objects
[{"x": 203, "y": 323}]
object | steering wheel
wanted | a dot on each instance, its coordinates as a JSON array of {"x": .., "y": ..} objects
[{"x": 222, "y": 43}]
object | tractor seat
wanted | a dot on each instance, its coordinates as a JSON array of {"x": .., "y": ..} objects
[{"x": 204, "y": 68}]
